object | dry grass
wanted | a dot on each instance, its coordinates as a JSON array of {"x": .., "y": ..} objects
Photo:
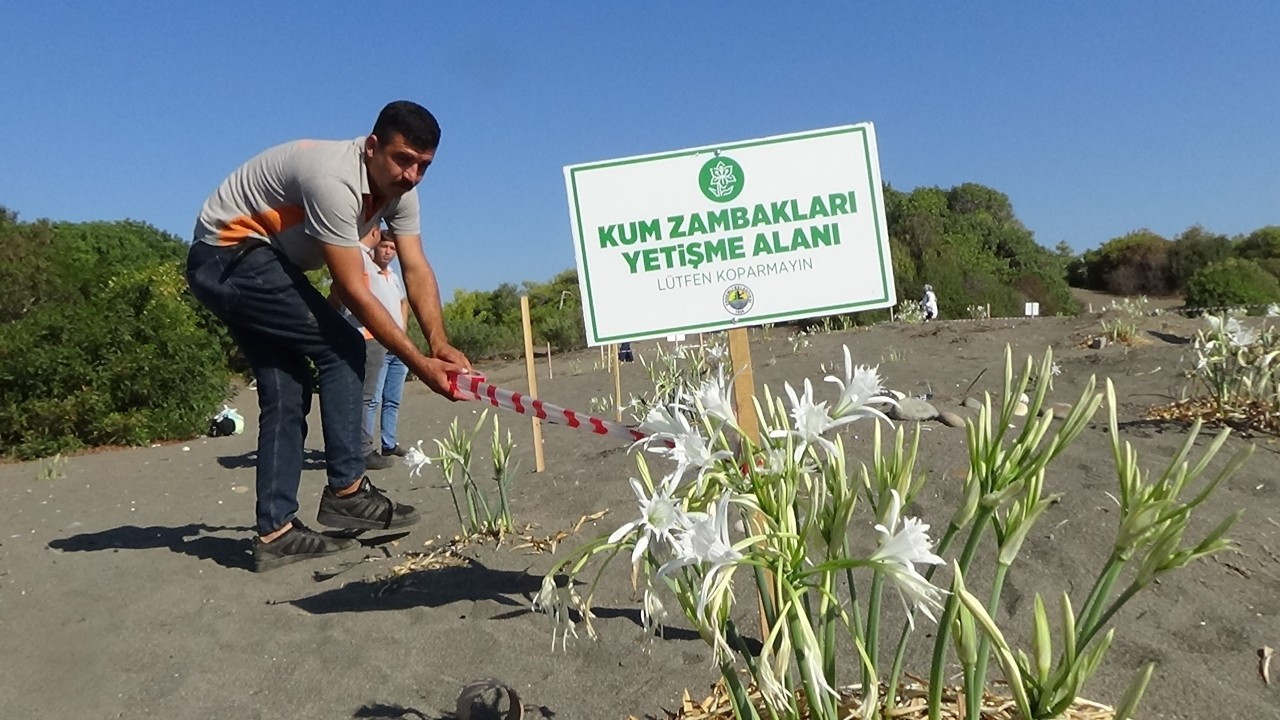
[{"x": 912, "y": 705}]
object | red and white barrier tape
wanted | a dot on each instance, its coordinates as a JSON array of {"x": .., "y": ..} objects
[{"x": 473, "y": 387}]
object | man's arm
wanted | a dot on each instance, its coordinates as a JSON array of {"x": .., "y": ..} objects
[
  {"x": 346, "y": 265},
  {"x": 424, "y": 297}
]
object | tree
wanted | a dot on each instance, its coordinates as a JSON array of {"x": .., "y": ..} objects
[
  {"x": 1194, "y": 249},
  {"x": 1260, "y": 244},
  {"x": 1132, "y": 264},
  {"x": 1232, "y": 282},
  {"x": 968, "y": 244}
]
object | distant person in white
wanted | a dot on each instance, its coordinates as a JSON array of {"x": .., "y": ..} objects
[{"x": 930, "y": 304}]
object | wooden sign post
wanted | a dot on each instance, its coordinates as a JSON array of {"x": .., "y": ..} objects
[
  {"x": 617, "y": 382},
  {"x": 744, "y": 384},
  {"x": 539, "y": 461}
]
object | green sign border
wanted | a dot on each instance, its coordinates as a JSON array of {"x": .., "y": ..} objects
[{"x": 877, "y": 201}]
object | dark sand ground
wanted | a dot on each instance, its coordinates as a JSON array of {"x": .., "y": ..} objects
[{"x": 124, "y": 589}]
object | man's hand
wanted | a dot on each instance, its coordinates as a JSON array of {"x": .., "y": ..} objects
[
  {"x": 451, "y": 354},
  {"x": 435, "y": 373}
]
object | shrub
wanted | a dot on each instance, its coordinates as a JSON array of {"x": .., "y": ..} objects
[
  {"x": 1133, "y": 264},
  {"x": 1232, "y": 282},
  {"x": 130, "y": 364},
  {"x": 1195, "y": 248},
  {"x": 480, "y": 340},
  {"x": 1271, "y": 265},
  {"x": 1261, "y": 243}
]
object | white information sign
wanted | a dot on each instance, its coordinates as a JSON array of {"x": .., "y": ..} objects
[{"x": 730, "y": 235}]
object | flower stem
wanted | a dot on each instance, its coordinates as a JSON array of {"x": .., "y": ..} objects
[
  {"x": 977, "y": 679},
  {"x": 900, "y": 653},
  {"x": 1091, "y": 630},
  {"x": 1098, "y": 595},
  {"x": 873, "y": 617},
  {"x": 740, "y": 646},
  {"x": 742, "y": 707},
  {"x": 937, "y": 665}
]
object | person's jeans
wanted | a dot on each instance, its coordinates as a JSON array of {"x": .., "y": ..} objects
[
  {"x": 374, "y": 357},
  {"x": 390, "y": 389},
  {"x": 281, "y": 321}
]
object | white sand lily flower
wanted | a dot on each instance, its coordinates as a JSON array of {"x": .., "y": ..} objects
[
  {"x": 660, "y": 519},
  {"x": 415, "y": 459},
  {"x": 1238, "y": 335},
  {"x": 559, "y": 604},
  {"x": 663, "y": 423},
  {"x": 717, "y": 352},
  {"x": 706, "y": 543},
  {"x": 811, "y": 420},
  {"x": 859, "y": 388},
  {"x": 897, "y": 554},
  {"x": 1242, "y": 336},
  {"x": 653, "y": 614},
  {"x": 778, "y": 462},
  {"x": 712, "y": 399},
  {"x": 691, "y": 451}
]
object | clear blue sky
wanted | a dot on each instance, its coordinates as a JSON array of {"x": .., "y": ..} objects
[{"x": 1096, "y": 118}]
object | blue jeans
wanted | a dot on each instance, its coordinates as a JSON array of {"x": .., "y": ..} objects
[
  {"x": 281, "y": 321},
  {"x": 387, "y": 394}
]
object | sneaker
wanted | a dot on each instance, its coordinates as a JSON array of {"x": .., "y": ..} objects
[
  {"x": 298, "y": 543},
  {"x": 397, "y": 451},
  {"x": 377, "y": 461},
  {"x": 365, "y": 509}
]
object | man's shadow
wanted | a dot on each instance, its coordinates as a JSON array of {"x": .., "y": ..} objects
[
  {"x": 311, "y": 460},
  {"x": 186, "y": 539},
  {"x": 426, "y": 588}
]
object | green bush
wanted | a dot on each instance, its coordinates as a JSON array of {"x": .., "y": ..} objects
[
  {"x": 1232, "y": 282},
  {"x": 129, "y": 364},
  {"x": 1271, "y": 265},
  {"x": 1133, "y": 264},
  {"x": 481, "y": 340},
  {"x": 1194, "y": 249},
  {"x": 1260, "y": 244},
  {"x": 968, "y": 244}
]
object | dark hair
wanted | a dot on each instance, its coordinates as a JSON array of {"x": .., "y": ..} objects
[{"x": 410, "y": 121}]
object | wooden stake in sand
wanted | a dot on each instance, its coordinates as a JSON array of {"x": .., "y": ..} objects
[
  {"x": 539, "y": 461},
  {"x": 744, "y": 383},
  {"x": 551, "y": 374},
  {"x": 617, "y": 383},
  {"x": 744, "y": 391}
]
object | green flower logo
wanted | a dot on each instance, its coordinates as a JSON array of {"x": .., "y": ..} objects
[{"x": 721, "y": 179}]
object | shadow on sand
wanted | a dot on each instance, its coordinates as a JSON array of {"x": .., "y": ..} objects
[
  {"x": 1169, "y": 337},
  {"x": 470, "y": 582},
  {"x": 311, "y": 460},
  {"x": 186, "y": 539},
  {"x": 386, "y": 711},
  {"x": 427, "y": 588}
]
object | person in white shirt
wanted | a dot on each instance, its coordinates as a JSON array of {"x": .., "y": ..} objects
[
  {"x": 387, "y": 287},
  {"x": 930, "y": 304}
]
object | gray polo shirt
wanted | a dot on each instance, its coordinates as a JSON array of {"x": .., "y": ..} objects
[{"x": 298, "y": 195}]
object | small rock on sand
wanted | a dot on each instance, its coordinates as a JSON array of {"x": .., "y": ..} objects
[
  {"x": 913, "y": 409},
  {"x": 950, "y": 419},
  {"x": 1020, "y": 410},
  {"x": 973, "y": 403},
  {"x": 1059, "y": 411}
]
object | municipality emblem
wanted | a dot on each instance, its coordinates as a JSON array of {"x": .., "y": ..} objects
[
  {"x": 720, "y": 179},
  {"x": 738, "y": 299}
]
